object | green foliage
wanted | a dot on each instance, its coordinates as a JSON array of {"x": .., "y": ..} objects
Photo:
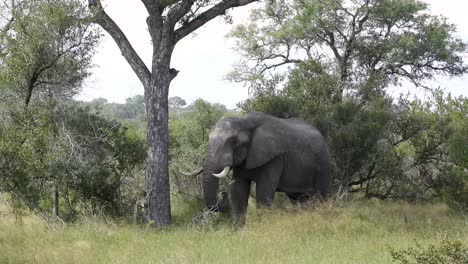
[
  {"x": 448, "y": 251},
  {"x": 46, "y": 48},
  {"x": 352, "y": 128},
  {"x": 191, "y": 129},
  {"x": 275, "y": 105},
  {"x": 88, "y": 159},
  {"x": 384, "y": 149},
  {"x": 456, "y": 189},
  {"x": 110, "y": 156},
  {"x": 358, "y": 232},
  {"x": 364, "y": 46},
  {"x": 132, "y": 113},
  {"x": 45, "y": 54},
  {"x": 354, "y": 133},
  {"x": 330, "y": 62},
  {"x": 188, "y": 137},
  {"x": 23, "y": 159},
  {"x": 176, "y": 103},
  {"x": 458, "y": 111},
  {"x": 269, "y": 99}
]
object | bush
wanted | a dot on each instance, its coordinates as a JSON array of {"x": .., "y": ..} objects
[
  {"x": 456, "y": 190},
  {"x": 79, "y": 158},
  {"x": 189, "y": 129},
  {"x": 390, "y": 149},
  {"x": 448, "y": 251}
]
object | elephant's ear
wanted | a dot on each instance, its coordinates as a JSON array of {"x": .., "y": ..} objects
[{"x": 264, "y": 146}]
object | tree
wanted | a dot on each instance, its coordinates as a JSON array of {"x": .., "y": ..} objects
[
  {"x": 365, "y": 44},
  {"x": 89, "y": 161},
  {"x": 176, "y": 103},
  {"x": 168, "y": 21},
  {"x": 106, "y": 157},
  {"x": 46, "y": 49},
  {"x": 330, "y": 62},
  {"x": 456, "y": 191},
  {"x": 45, "y": 53}
]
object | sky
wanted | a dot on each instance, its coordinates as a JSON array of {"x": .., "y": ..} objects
[{"x": 204, "y": 58}]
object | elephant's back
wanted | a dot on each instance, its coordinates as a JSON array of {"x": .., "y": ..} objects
[
  {"x": 302, "y": 133},
  {"x": 308, "y": 163}
]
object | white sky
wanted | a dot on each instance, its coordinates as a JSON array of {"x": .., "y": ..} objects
[{"x": 205, "y": 58}]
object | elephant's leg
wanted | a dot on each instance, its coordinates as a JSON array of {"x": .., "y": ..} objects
[
  {"x": 267, "y": 182},
  {"x": 301, "y": 198},
  {"x": 297, "y": 198},
  {"x": 240, "y": 190}
]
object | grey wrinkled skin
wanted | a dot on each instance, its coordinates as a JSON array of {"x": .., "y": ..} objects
[{"x": 279, "y": 155}]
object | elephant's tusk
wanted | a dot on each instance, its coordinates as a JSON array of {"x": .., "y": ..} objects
[
  {"x": 223, "y": 173},
  {"x": 194, "y": 173}
]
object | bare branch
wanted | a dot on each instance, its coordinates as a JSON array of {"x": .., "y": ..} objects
[
  {"x": 152, "y": 6},
  {"x": 177, "y": 12},
  {"x": 331, "y": 43},
  {"x": 155, "y": 20},
  {"x": 7, "y": 26},
  {"x": 275, "y": 65},
  {"x": 216, "y": 10},
  {"x": 193, "y": 173}
]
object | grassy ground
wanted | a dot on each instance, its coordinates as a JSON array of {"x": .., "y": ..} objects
[{"x": 359, "y": 232}]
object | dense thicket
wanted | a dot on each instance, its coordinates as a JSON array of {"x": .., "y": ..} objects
[
  {"x": 341, "y": 57},
  {"x": 56, "y": 156},
  {"x": 75, "y": 158},
  {"x": 329, "y": 62}
]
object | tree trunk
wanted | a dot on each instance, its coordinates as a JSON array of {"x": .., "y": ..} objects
[
  {"x": 163, "y": 17},
  {"x": 55, "y": 200},
  {"x": 158, "y": 207}
]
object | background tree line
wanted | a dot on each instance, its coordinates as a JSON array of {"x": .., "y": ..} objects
[{"x": 329, "y": 62}]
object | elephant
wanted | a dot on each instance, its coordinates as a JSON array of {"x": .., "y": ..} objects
[{"x": 279, "y": 155}]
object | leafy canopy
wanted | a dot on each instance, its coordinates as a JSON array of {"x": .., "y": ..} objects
[
  {"x": 45, "y": 47},
  {"x": 366, "y": 45}
]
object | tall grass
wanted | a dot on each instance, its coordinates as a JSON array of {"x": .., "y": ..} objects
[{"x": 358, "y": 232}]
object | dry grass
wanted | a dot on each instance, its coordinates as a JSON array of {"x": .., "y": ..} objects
[{"x": 359, "y": 232}]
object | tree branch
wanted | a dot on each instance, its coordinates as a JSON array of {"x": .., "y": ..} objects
[
  {"x": 31, "y": 84},
  {"x": 155, "y": 19},
  {"x": 152, "y": 6},
  {"x": 7, "y": 26},
  {"x": 216, "y": 10},
  {"x": 331, "y": 43},
  {"x": 177, "y": 12},
  {"x": 370, "y": 175},
  {"x": 274, "y": 66},
  {"x": 101, "y": 18}
]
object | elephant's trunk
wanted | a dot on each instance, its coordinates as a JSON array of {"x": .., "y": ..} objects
[
  {"x": 214, "y": 169},
  {"x": 210, "y": 183},
  {"x": 210, "y": 186}
]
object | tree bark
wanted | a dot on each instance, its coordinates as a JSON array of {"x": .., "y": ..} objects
[
  {"x": 158, "y": 207},
  {"x": 55, "y": 200}
]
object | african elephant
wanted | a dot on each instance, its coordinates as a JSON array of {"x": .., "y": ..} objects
[{"x": 279, "y": 155}]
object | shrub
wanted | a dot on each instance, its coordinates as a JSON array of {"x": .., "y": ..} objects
[
  {"x": 456, "y": 190},
  {"x": 448, "y": 251}
]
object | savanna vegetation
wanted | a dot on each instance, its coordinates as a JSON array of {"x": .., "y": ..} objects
[
  {"x": 74, "y": 175},
  {"x": 360, "y": 232}
]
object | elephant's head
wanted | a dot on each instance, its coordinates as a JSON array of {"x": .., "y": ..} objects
[{"x": 242, "y": 142}]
